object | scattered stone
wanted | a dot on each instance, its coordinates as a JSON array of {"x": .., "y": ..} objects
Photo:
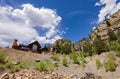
[
  {"x": 5, "y": 76},
  {"x": 33, "y": 74},
  {"x": 15, "y": 62},
  {"x": 37, "y": 60},
  {"x": 74, "y": 77},
  {"x": 91, "y": 76}
]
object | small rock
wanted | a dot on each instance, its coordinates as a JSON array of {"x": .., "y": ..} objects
[
  {"x": 26, "y": 78},
  {"x": 37, "y": 60},
  {"x": 74, "y": 77},
  {"x": 19, "y": 78},
  {"x": 46, "y": 77},
  {"x": 98, "y": 77},
  {"x": 12, "y": 76},
  {"x": 15, "y": 62}
]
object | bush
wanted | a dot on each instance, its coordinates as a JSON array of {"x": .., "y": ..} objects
[
  {"x": 50, "y": 66},
  {"x": 118, "y": 54},
  {"x": 55, "y": 57},
  {"x": 2, "y": 67},
  {"x": 111, "y": 56},
  {"x": 15, "y": 69},
  {"x": 9, "y": 64},
  {"x": 82, "y": 57},
  {"x": 62, "y": 46},
  {"x": 98, "y": 63},
  {"x": 64, "y": 61},
  {"x": 99, "y": 46},
  {"x": 85, "y": 54},
  {"x": 110, "y": 65},
  {"x": 114, "y": 45},
  {"x": 2, "y": 56},
  {"x": 24, "y": 64},
  {"x": 41, "y": 66},
  {"x": 111, "y": 35},
  {"x": 83, "y": 64},
  {"x": 74, "y": 57},
  {"x": 108, "y": 23},
  {"x": 87, "y": 49}
]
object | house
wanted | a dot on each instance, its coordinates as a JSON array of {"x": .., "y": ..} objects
[{"x": 34, "y": 47}]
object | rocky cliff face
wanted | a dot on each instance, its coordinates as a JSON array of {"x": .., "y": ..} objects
[{"x": 112, "y": 23}]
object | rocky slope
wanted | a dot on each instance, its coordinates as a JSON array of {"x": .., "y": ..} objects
[
  {"x": 73, "y": 71},
  {"x": 112, "y": 23}
]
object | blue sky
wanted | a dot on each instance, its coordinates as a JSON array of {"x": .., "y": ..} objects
[{"x": 76, "y": 18}]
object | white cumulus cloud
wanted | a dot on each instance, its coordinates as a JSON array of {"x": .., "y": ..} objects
[
  {"x": 21, "y": 24},
  {"x": 109, "y": 7}
]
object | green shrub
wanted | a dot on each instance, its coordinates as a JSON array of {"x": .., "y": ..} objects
[
  {"x": 118, "y": 54},
  {"x": 99, "y": 46},
  {"x": 41, "y": 66},
  {"x": 55, "y": 57},
  {"x": 64, "y": 61},
  {"x": 87, "y": 49},
  {"x": 2, "y": 67},
  {"x": 114, "y": 45},
  {"x": 85, "y": 54},
  {"x": 82, "y": 57},
  {"x": 108, "y": 23},
  {"x": 9, "y": 64},
  {"x": 2, "y": 56},
  {"x": 98, "y": 63},
  {"x": 15, "y": 69},
  {"x": 50, "y": 66},
  {"x": 111, "y": 55},
  {"x": 83, "y": 64},
  {"x": 24, "y": 64},
  {"x": 110, "y": 65},
  {"x": 111, "y": 35},
  {"x": 74, "y": 57},
  {"x": 62, "y": 46}
]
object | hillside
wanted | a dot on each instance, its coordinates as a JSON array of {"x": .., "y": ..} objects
[
  {"x": 96, "y": 57},
  {"x": 72, "y": 71}
]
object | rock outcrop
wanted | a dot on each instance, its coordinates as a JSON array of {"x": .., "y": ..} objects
[{"x": 112, "y": 23}]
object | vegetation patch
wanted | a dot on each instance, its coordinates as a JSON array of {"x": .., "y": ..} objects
[
  {"x": 24, "y": 64},
  {"x": 111, "y": 56},
  {"x": 41, "y": 66},
  {"x": 98, "y": 63},
  {"x": 2, "y": 67},
  {"x": 16, "y": 68},
  {"x": 55, "y": 57},
  {"x": 110, "y": 65},
  {"x": 50, "y": 66},
  {"x": 9, "y": 64},
  {"x": 64, "y": 61},
  {"x": 74, "y": 57},
  {"x": 2, "y": 56}
]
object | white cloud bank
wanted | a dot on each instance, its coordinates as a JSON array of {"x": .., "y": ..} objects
[
  {"x": 21, "y": 23},
  {"x": 110, "y": 7}
]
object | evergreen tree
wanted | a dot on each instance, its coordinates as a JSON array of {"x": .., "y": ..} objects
[
  {"x": 108, "y": 23},
  {"x": 111, "y": 35},
  {"x": 99, "y": 46}
]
